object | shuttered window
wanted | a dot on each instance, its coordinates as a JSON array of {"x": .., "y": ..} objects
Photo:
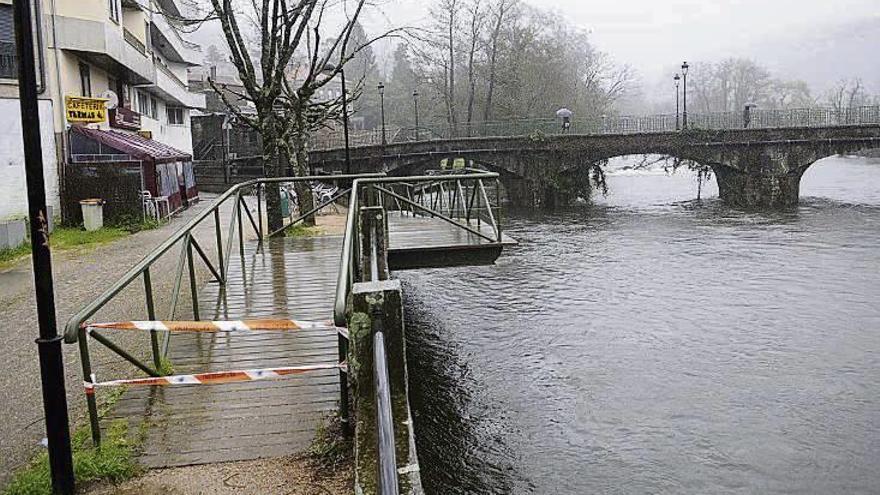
[{"x": 8, "y": 57}]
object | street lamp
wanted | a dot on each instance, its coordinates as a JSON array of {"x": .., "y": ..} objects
[
  {"x": 677, "y": 79},
  {"x": 382, "y": 104},
  {"x": 416, "y": 109},
  {"x": 331, "y": 68},
  {"x": 684, "y": 114}
]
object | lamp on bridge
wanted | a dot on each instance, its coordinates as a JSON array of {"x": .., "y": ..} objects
[
  {"x": 416, "y": 109},
  {"x": 330, "y": 69},
  {"x": 684, "y": 114},
  {"x": 677, "y": 79},
  {"x": 382, "y": 105}
]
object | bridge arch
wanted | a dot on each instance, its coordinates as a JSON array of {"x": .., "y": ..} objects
[{"x": 753, "y": 167}]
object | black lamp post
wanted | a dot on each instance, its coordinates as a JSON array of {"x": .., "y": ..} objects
[
  {"x": 416, "y": 109},
  {"x": 684, "y": 114},
  {"x": 49, "y": 342},
  {"x": 677, "y": 79},
  {"x": 382, "y": 107},
  {"x": 331, "y": 68}
]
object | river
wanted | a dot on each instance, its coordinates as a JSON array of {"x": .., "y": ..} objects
[{"x": 652, "y": 343}]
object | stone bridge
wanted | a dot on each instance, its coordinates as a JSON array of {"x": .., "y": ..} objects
[{"x": 754, "y": 168}]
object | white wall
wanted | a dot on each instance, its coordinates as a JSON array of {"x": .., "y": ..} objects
[
  {"x": 13, "y": 188},
  {"x": 177, "y": 136}
]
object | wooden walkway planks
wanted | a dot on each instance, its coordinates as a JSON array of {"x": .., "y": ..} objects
[
  {"x": 423, "y": 242},
  {"x": 292, "y": 278},
  {"x": 286, "y": 278}
]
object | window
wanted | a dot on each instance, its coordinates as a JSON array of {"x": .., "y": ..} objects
[
  {"x": 175, "y": 115},
  {"x": 85, "y": 79},
  {"x": 8, "y": 55},
  {"x": 147, "y": 105},
  {"x": 114, "y": 10}
]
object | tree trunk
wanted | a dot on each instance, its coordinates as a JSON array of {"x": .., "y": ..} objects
[
  {"x": 472, "y": 80},
  {"x": 300, "y": 159},
  {"x": 451, "y": 88},
  {"x": 273, "y": 168}
]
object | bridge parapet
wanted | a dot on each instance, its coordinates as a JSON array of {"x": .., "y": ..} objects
[{"x": 613, "y": 125}]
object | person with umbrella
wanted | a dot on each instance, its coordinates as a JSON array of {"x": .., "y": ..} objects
[{"x": 565, "y": 114}]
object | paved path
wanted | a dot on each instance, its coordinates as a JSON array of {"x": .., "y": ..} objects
[
  {"x": 291, "y": 278},
  {"x": 79, "y": 277}
]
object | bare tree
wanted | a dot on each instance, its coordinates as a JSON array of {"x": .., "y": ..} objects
[
  {"x": 500, "y": 12},
  {"x": 281, "y": 74},
  {"x": 477, "y": 21}
]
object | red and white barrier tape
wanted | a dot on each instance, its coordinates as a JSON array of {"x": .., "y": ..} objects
[
  {"x": 214, "y": 378},
  {"x": 214, "y": 326}
]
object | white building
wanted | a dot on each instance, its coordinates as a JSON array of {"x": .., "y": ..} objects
[{"x": 127, "y": 50}]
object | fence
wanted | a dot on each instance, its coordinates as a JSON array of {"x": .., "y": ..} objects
[{"x": 612, "y": 124}]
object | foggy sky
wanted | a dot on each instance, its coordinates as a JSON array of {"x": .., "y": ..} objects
[{"x": 653, "y": 35}]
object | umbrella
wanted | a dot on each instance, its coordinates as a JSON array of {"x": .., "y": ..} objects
[{"x": 563, "y": 113}]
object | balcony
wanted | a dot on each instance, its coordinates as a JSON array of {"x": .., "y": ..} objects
[
  {"x": 105, "y": 44},
  {"x": 172, "y": 89},
  {"x": 168, "y": 41}
]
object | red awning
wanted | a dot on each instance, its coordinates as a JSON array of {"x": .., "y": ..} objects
[{"x": 135, "y": 145}]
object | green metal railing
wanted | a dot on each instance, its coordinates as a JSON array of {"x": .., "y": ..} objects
[
  {"x": 460, "y": 199},
  {"x": 457, "y": 199},
  {"x": 190, "y": 250}
]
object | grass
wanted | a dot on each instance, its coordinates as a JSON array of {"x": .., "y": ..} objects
[
  {"x": 331, "y": 447},
  {"x": 9, "y": 257},
  {"x": 113, "y": 461},
  {"x": 72, "y": 237},
  {"x": 301, "y": 230},
  {"x": 67, "y": 238},
  {"x": 166, "y": 368}
]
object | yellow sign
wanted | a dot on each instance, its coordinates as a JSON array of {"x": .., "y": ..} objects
[{"x": 86, "y": 110}]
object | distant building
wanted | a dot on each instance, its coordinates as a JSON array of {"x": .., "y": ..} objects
[{"x": 128, "y": 51}]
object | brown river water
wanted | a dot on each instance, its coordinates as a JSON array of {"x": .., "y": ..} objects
[{"x": 652, "y": 343}]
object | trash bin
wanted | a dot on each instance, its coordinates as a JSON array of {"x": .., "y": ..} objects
[{"x": 93, "y": 213}]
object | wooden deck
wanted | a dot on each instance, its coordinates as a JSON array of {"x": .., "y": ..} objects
[
  {"x": 423, "y": 242},
  {"x": 288, "y": 279}
]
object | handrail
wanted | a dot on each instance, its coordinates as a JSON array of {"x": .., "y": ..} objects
[
  {"x": 386, "y": 466},
  {"x": 73, "y": 324},
  {"x": 346, "y": 268}
]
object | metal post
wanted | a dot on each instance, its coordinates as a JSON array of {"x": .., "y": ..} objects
[
  {"x": 345, "y": 124},
  {"x": 260, "y": 211},
  {"x": 498, "y": 204},
  {"x": 343, "y": 384},
  {"x": 382, "y": 110},
  {"x": 219, "y": 234},
  {"x": 240, "y": 227},
  {"x": 677, "y": 91},
  {"x": 416, "y": 107},
  {"x": 193, "y": 283},
  {"x": 151, "y": 315},
  {"x": 49, "y": 342},
  {"x": 684, "y": 114},
  {"x": 86, "y": 363}
]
